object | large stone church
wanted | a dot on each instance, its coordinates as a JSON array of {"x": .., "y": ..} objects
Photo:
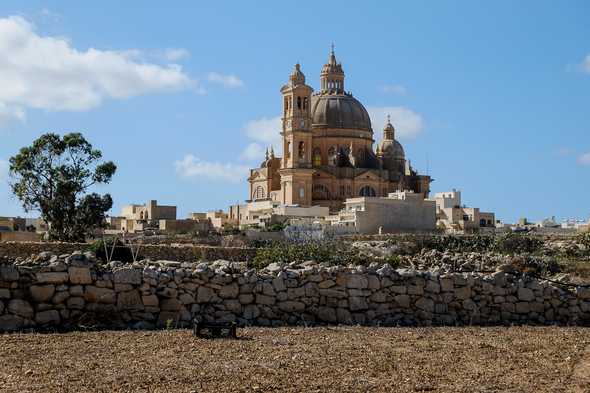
[{"x": 328, "y": 153}]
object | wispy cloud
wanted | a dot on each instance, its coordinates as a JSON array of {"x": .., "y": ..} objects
[
  {"x": 48, "y": 73},
  {"x": 193, "y": 167},
  {"x": 264, "y": 132},
  {"x": 586, "y": 64},
  {"x": 10, "y": 113},
  {"x": 406, "y": 122},
  {"x": 227, "y": 81},
  {"x": 176, "y": 54},
  {"x": 584, "y": 159},
  {"x": 394, "y": 89}
]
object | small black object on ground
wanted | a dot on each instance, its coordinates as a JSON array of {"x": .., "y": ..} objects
[{"x": 214, "y": 329}]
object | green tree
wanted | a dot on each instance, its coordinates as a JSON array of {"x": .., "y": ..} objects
[{"x": 53, "y": 176}]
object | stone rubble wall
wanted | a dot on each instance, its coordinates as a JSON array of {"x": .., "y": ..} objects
[
  {"x": 69, "y": 291},
  {"x": 183, "y": 253}
]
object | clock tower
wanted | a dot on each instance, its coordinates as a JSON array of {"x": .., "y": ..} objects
[{"x": 296, "y": 169}]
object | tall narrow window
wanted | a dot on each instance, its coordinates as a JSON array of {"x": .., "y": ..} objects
[
  {"x": 298, "y": 102},
  {"x": 317, "y": 157},
  {"x": 301, "y": 150},
  {"x": 305, "y": 103},
  {"x": 367, "y": 191}
]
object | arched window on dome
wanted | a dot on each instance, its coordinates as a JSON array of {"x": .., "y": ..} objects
[
  {"x": 298, "y": 102},
  {"x": 367, "y": 191},
  {"x": 301, "y": 151},
  {"x": 258, "y": 193},
  {"x": 317, "y": 157},
  {"x": 320, "y": 192},
  {"x": 332, "y": 156}
]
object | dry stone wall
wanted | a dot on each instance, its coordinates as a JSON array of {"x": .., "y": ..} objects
[
  {"x": 72, "y": 290},
  {"x": 183, "y": 253}
]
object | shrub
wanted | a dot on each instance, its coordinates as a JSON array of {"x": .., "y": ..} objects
[
  {"x": 514, "y": 243},
  {"x": 333, "y": 253}
]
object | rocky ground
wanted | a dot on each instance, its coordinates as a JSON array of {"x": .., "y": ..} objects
[{"x": 353, "y": 359}]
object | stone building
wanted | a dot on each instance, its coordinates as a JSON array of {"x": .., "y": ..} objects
[
  {"x": 452, "y": 216},
  {"x": 403, "y": 211},
  {"x": 150, "y": 211},
  {"x": 328, "y": 153}
]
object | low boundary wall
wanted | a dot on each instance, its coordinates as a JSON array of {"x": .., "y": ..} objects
[{"x": 67, "y": 291}]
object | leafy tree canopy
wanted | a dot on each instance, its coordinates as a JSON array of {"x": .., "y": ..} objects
[{"x": 53, "y": 175}]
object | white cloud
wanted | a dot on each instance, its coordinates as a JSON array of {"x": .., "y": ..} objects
[
  {"x": 394, "y": 89},
  {"x": 10, "y": 113},
  {"x": 228, "y": 81},
  {"x": 192, "y": 167},
  {"x": 253, "y": 151},
  {"x": 586, "y": 64},
  {"x": 407, "y": 123},
  {"x": 48, "y": 73},
  {"x": 175, "y": 54},
  {"x": 584, "y": 159},
  {"x": 266, "y": 130}
]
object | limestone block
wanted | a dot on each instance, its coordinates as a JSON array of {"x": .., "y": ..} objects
[
  {"x": 446, "y": 284},
  {"x": 327, "y": 314},
  {"x": 21, "y": 308},
  {"x": 60, "y": 297},
  {"x": 268, "y": 289},
  {"x": 379, "y": 297},
  {"x": 52, "y": 277},
  {"x": 402, "y": 300},
  {"x": 469, "y": 305},
  {"x": 150, "y": 301},
  {"x": 251, "y": 311},
  {"x": 357, "y": 303},
  {"x": 326, "y": 284},
  {"x": 522, "y": 308},
  {"x": 401, "y": 289},
  {"x": 374, "y": 283},
  {"x": 9, "y": 323},
  {"x": 279, "y": 285},
  {"x": 415, "y": 290},
  {"x": 230, "y": 291},
  {"x": 8, "y": 273},
  {"x": 508, "y": 307},
  {"x": 343, "y": 316},
  {"x": 463, "y": 293},
  {"x": 311, "y": 289},
  {"x": 170, "y": 305},
  {"x": 295, "y": 293},
  {"x": 49, "y": 317},
  {"x": 233, "y": 306},
  {"x": 94, "y": 294},
  {"x": 526, "y": 294},
  {"x": 77, "y": 290},
  {"x": 432, "y": 286},
  {"x": 425, "y": 304},
  {"x": 79, "y": 275},
  {"x": 186, "y": 298},
  {"x": 123, "y": 287},
  {"x": 4, "y": 293},
  {"x": 75, "y": 303},
  {"x": 246, "y": 298},
  {"x": 583, "y": 293},
  {"x": 204, "y": 295},
  {"x": 332, "y": 293},
  {"x": 167, "y": 292},
  {"x": 129, "y": 300},
  {"x": 42, "y": 293},
  {"x": 263, "y": 299},
  {"x": 291, "y": 306},
  {"x": 357, "y": 281},
  {"x": 128, "y": 275}
]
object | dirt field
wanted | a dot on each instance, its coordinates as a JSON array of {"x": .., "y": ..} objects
[{"x": 301, "y": 360}]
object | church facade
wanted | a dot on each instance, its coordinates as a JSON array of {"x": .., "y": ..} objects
[{"x": 328, "y": 153}]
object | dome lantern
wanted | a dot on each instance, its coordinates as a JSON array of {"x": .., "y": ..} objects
[{"x": 332, "y": 76}]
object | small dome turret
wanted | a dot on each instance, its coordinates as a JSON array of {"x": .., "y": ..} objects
[{"x": 297, "y": 77}]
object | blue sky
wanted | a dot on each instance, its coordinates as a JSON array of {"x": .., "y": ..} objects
[{"x": 492, "y": 97}]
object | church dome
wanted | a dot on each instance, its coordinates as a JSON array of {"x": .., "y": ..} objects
[
  {"x": 339, "y": 111},
  {"x": 393, "y": 149}
]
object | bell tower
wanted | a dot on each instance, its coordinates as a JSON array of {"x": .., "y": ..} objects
[{"x": 296, "y": 169}]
